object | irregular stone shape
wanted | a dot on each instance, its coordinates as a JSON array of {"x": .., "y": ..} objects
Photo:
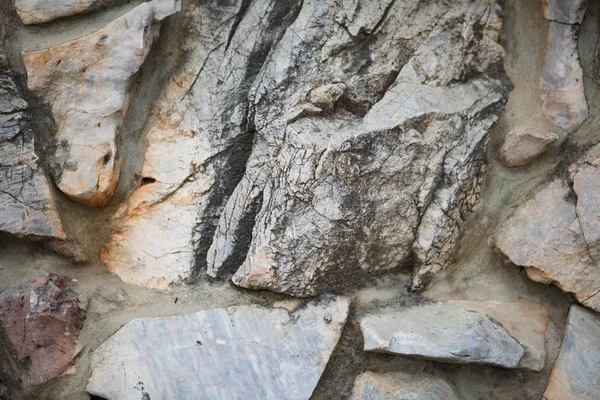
[
  {"x": 443, "y": 332},
  {"x": 39, "y": 11},
  {"x": 524, "y": 145},
  {"x": 544, "y": 236},
  {"x": 198, "y": 143},
  {"x": 576, "y": 375},
  {"x": 561, "y": 82},
  {"x": 87, "y": 83},
  {"x": 326, "y": 95},
  {"x": 340, "y": 197},
  {"x": 523, "y": 320},
  {"x": 42, "y": 323},
  {"x": 401, "y": 386},
  {"x": 244, "y": 352},
  {"x": 586, "y": 185},
  {"x": 565, "y": 11},
  {"x": 27, "y": 207}
]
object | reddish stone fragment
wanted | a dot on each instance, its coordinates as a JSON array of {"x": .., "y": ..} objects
[{"x": 42, "y": 323}]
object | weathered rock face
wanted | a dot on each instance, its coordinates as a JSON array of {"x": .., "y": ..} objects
[
  {"x": 242, "y": 352},
  {"x": 508, "y": 334},
  {"x": 87, "y": 83},
  {"x": 555, "y": 235},
  {"x": 524, "y": 145},
  {"x": 197, "y": 145},
  {"x": 576, "y": 374},
  {"x": 338, "y": 194},
  {"x": 401, "y": 386},
  {"x": 561, "y": 82},
  {"x": 42, "y": 322},
  {"x": 39, "y": 11},
  {"x": 27, "y": 208}
]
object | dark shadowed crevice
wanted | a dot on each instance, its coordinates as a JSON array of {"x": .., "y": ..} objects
[{"x": 231, "y": 164}]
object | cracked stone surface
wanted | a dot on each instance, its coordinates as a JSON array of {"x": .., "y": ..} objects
[
  {"x": 461, "y": 332},
  {"x": 556, "y": 235},
  {"x": 40, "y": 11},
  {"x": 320, "y": 196},
  {"x": 575, "y": 375},
  {"x": 524, "y": 145},
  {"x": 42, "y": 322},
  {"x": 561, "y": 83},
  {"x": 401, "y": 386},
  {"x": 27, "y": 207},
  {"x": 245, "y": 352},
  {"x": 196, "y": 146},
  {"x": 87, "y": 83}
]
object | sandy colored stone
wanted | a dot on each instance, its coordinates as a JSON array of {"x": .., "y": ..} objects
[
  {"x": 195, "y": 144},
  {"x": 246, "y": 352},
  {"x": 524, "y": 145},
  {"x": 445, "y": 332},
  {"x": 561, "y": 82},
  {"x": 326, "y": 95},
  {"x": 42, "y": 323},
  {"x": 544, "y": 235},
  {"x": 87, "y": 83},
  {"x": 401, "y": 386},
  {"x": 40, "y": 11},
  {"x": 576, "y": 375}
]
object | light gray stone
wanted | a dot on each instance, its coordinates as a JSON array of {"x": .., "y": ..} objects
[
  {"x": 245, "y": 352},
  {"x": 39, "y": 11},
  {"x": 27, "y": 207},
  {"x": 576, "y": 375},
  {"x": 87, "y": 83},
  {"x": 561, "y": 82},
  {"x": 445, "y": 332},
  {"x": 401, "y": 386},
  {"x": 524, "y": 145},
  {"x": 545, "y": 236},
  {"x": 387, "y": 167}
]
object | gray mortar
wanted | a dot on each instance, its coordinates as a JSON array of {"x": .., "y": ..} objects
[{"x": 478, "y": 273}]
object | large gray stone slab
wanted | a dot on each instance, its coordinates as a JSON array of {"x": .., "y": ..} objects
[
  {"x": 359, "y": 167},
  {"x": 453, "y": 332},
  {"x": 246, "y": 352},
  {"x": 576, "y": 373}
]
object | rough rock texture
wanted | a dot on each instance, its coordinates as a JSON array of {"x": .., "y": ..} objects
[
  {"x": 331, "y": 195},
  {"x": 244, "y": 352},
  {"x": 42, "y": 322},
  {"x": 556, "y": 236},
  {"x": 39, "y": 11},
  {"x": 565, "y": 11},
  {"x": 524, "y": 145},
  {"x": 87, "y": 82},
  {"x": 27, "y": 208},
  {"x": 198, "y": 145},
  {"x": 459, "y": 333},
  {"x": 561, "y": 82},
  {"x": 576, "y": 375},
  {"x": 401, "y": 386}
]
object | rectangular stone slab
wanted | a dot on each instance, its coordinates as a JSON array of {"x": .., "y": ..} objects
[{"x": 246, "y": 352}]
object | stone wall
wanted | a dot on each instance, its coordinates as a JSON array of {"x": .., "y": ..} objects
[{"x": 294, "y": 199}]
